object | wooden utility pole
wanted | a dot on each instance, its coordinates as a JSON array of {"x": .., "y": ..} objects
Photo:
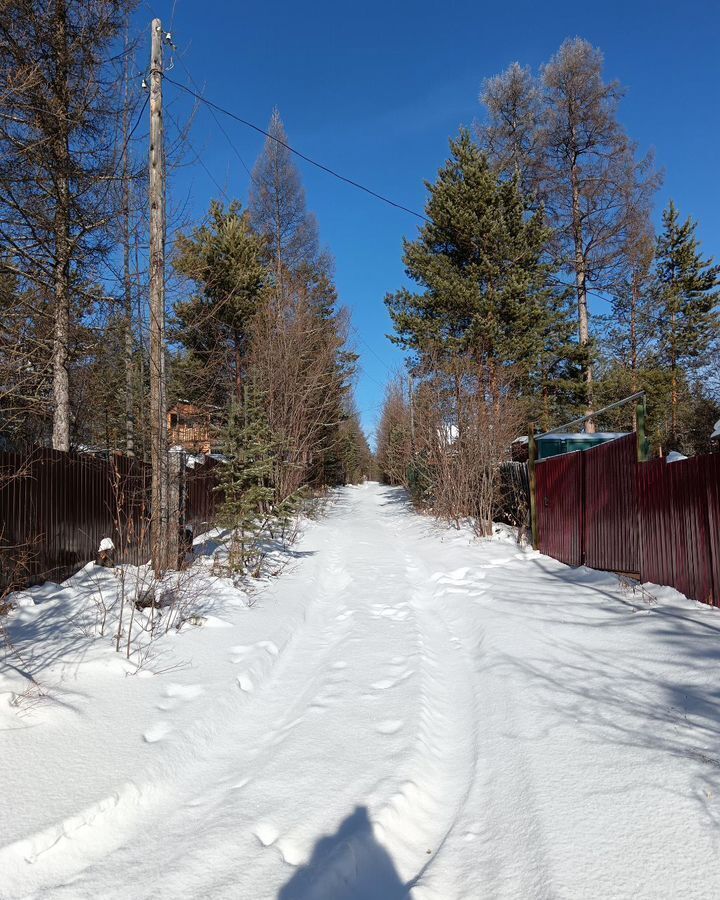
[
  {"x": 127, "y": 274},
  {"x": 158, "y": 413}
]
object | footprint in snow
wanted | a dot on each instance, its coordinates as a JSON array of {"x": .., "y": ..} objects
[
  {"x": 184, "y": 691},
  {"x": 157, "y": 732},
  {"x": 291, "y": 854},
  {"x": 390, "y": 726},
  {"x": 266, "y": 833},
  {"x": 177, "y": 693},
  {"x": 245, "y": 683}
]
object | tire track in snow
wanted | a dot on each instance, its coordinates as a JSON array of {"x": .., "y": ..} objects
[
  {"x": 494, "y": 845},
  {"x": 416, "y": 821}
]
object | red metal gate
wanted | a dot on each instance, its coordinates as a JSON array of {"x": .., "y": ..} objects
[
  {"x": 559, "y": 493},
  {"x": 610, "y": 510}
]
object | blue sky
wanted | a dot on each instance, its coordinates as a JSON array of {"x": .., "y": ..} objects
[{"x": 374, "y": 90}]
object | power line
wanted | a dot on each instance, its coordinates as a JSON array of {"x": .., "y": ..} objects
[
  {"x": 217, "y": 122},
  {"x": 298, "y": 153},
  {"x": 199, "y": 158},
  {"x": 559, "y": 282},
  {"x": 377, "y": 356}
]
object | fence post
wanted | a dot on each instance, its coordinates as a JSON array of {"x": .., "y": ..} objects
[
  {"x": 175, "y": 473},
  {"x": 532, "y": 458},
  {"x": 643, "y": 449}
]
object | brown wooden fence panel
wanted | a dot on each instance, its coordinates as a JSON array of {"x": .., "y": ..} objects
[
  {"x": 559, "y": 490},
  {"x": 610, "y": 509},
  {"x": 678, "y": 513}
]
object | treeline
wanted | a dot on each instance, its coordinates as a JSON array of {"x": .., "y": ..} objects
[
  {"x": 256, "y": 335},
  {"x": 543, "y": 292},
  {"x": 260, "y": 337}
]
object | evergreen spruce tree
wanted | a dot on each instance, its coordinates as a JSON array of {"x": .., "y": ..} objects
[
  {"x": 685, "y": 288},
  {"x": 246, "y": 478}
]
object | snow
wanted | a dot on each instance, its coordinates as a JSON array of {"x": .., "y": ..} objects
[
  {"x": 716, "y": 432},
  {"x": 448, "y": 433},
  {"x": 106, "y": 544},
  {"x": 404, "y": 712},
  {"x": 675, "y": 456}
]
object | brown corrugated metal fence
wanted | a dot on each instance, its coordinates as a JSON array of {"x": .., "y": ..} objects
[
  {"x": 202, "y": 497},
  {"x": 603, "y": 508},
  {"x": 559, "y": 491},
  {"x": 610, "y": 507},
  {"x": 56, "y": 507},
  {"x": 679, "y": 512}
]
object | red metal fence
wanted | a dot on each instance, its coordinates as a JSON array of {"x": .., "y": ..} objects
[
  {"x": 679, "y": 521},
  {"x": 659, "y": 520},
  {"x": 56, "y": 507},
  {"x": 559, "y": 492},
  {"x": 610, "y": 507}
]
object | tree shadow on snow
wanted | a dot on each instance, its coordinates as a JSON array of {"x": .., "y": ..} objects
[
  {"x": 396, "y": 496},
  {"x": 348, "y": 865}
]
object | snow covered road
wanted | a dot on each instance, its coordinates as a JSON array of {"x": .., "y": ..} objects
[{"x": 407, "y": 713}]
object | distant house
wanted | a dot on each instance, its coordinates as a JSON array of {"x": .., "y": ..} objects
[{"x": 194, "y": 428}]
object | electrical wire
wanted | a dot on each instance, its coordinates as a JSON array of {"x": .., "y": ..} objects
[
  {"x": 298, "y": 153},
  {"x": 199, "y": 158},
  {"x": 213, "y": 106},
  {"x": 218, "y": 123}
]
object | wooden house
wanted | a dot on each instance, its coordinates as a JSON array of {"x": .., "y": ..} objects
[{"x": 194, "y": 428}]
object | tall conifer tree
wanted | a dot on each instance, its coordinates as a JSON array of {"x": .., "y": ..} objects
[
  {"x": 488, "y": 290},
  {"x": 687, "y": 298}
]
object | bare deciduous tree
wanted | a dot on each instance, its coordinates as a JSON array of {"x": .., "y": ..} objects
[{"x": 58, "y": 159}]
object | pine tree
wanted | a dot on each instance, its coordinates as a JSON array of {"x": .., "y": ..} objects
[
  {"x": 25, "y": 371},
  {"x": 686, "y": 296},
  {"x": 488, "y": 286},
  {"x": 394, "y": 438},
  {"x": 224, "y": 261},
  {"x": 246, "y": 478},
  {"x": 632, "y": 328}
]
